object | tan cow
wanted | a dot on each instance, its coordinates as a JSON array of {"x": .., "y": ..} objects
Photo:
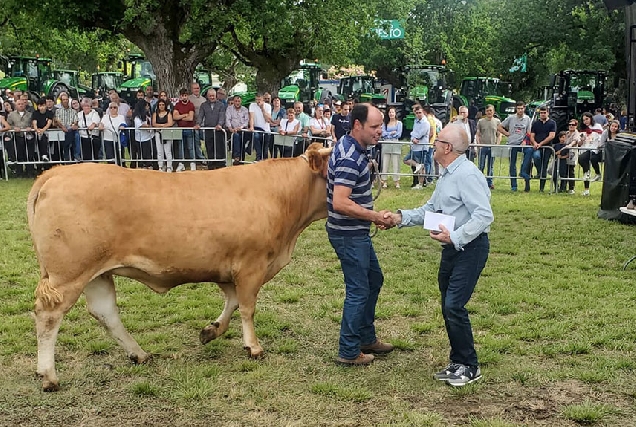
[{"x": 235, "y": 226}]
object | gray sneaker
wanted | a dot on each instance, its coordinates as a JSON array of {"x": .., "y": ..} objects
[
  {"x": 464, "y": 375},
  {"x": 445, "y": 373}
]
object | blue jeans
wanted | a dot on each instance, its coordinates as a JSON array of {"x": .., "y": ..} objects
[
  {"x": 186, "y": 150},
  {"x": 485, "y": 154},
  {"x": 525, "y": 165},
  {"x": 259, "y": 142},
  {"x": 198, "y": 136},
  {"x": 70, "y": 149},
  {"x": 541, "y": 159},
  {"x": 457, "y": 277},
  {"x": 363, "y": 280},
  {"x": 428, "y": 163}
]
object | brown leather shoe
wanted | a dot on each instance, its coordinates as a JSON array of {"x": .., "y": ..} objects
[
  {"x": 361, "y": 360},
  {"x": 378, "y": 347}
]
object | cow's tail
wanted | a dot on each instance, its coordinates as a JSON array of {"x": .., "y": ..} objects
[{"x": 45, "y": 293}]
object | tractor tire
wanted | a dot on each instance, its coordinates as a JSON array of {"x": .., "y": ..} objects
[
  {"x": 58, "y": 89},
  {"x": 457, "y": 102},
  {"x": 561, "y": 116}
]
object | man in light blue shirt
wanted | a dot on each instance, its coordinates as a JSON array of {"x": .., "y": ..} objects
[
  {"x": 462, "y": 192},
  {"x": 416, "y": 157}
]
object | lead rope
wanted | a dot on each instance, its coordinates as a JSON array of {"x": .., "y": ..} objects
[{"x": 375, "y": 178}]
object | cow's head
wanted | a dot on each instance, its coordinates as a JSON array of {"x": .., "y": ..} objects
[{"x": 318, "y": 158}]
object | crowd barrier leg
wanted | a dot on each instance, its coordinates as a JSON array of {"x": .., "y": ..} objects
[{"x": 215, "y": 148}]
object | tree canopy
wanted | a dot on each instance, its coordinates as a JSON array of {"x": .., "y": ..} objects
[{"x": 474, "y": 37}]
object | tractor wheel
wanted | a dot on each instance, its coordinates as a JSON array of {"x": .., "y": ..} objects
[{"x": 58, "y": 89}]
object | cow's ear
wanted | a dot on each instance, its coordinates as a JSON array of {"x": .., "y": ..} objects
[{"x": 318, "y": 158}]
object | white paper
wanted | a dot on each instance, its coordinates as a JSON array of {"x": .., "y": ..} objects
[{"x": 432, "y": 220}]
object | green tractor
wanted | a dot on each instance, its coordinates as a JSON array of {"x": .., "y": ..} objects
[
  {"x": 205, "y": 79},
  {"x": 574, "y": 92},
  {"x": 140, "y": 76},
  {"x": 32, "y": 75},
  {"x": 484, "y": 91},
  {"x": 426, "y": 85},
  {"x": 301, "y": 85},
  {"x": 103, "y": 81},
  {"x": 361, "y": 89},
  {"x": 71, "y": 79}
]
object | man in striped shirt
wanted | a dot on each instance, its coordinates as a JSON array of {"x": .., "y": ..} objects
[{"x": 350, "y": 207}]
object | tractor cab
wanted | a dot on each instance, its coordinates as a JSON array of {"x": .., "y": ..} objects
[
  {"x": 301, "y": 85},
  {"x": 575, "y": 92},
  {"x": 140, "y": 74},
  {"x": 33, "y": 75},
  {"x": 102, "y": 82},
  {"x": 488, "y": 90}
]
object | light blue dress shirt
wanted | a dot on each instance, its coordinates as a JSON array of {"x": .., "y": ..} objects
[{"x": 462, "y": 192}]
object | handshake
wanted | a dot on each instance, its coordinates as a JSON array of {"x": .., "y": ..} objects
[{"x": 386, "y": 219}]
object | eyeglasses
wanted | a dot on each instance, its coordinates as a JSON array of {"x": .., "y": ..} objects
[
  {"x": 442, "y": 141},
  {"x": 571, "y": 124},
  {"x": 112, "y": 107}
]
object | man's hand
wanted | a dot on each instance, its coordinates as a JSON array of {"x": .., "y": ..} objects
[
  {"x": 383, "y": 221},
  {"x": 393, "y": 218},
  {"x": 441, "y": 236}
]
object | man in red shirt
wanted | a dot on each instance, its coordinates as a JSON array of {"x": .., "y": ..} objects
[{"x": 183, "y": 114}]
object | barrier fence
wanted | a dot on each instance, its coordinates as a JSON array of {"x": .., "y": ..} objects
[{"x": 171, "y": 149}]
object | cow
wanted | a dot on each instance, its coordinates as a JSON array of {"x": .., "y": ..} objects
[{"x": 235, "y": 226}]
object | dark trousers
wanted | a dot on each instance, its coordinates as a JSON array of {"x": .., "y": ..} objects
[
  {"x": 586, "y": 157},
  {"x": 133, "y": 147},
  {"x": 541, "y": 160},
  {"x": 565, "y": 171},
  {"x": 145, "y": 153},
  {"x": 112, "y": 152},
  {"x": 282, "y": 151},
  {"x": 90, "y": 148},
  {"x": 215, "y": 148},
  {"x": 68, "y": 146},
  {"x": 43, "y": 146},
  {"x": 457, "y": 277}
]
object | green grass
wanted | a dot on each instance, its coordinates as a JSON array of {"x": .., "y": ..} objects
[{"x": 553, "y": 316}]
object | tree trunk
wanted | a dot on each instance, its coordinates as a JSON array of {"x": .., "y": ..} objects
[
  {"x": 271, "y": 71},
  {"x": 173, "y": 62}
]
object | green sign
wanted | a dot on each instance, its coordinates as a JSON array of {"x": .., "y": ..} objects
[
  {"x": 520, "y": 64},
  {"x": 389, "y": 30}
]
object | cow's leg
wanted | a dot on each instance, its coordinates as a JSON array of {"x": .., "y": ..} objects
[
  {"x": 220, "y": 325},
  {"x": 247, "y": 290},
  {"x": 51, "y": 304},
  {"x": 101, "y": 301}
]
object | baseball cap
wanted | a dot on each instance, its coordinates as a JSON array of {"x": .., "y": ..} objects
[{"x": 338, "y": 103}]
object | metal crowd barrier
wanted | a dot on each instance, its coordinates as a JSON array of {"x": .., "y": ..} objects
[
  {"x": 170, "y": 149},
  {"x": 496, "y": 161}
]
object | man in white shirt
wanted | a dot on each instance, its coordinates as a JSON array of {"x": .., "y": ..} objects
[{"x": 260, "y": 115}]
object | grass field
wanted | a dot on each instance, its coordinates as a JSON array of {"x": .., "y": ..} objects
[{"x": 554, "y": 318}]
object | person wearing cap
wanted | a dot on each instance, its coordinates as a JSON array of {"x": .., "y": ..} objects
[{"x": 337, "y": 106}]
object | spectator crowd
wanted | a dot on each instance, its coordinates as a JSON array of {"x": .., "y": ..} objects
[{"x": 175, "y": 134}]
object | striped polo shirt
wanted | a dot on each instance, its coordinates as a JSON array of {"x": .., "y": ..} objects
[{"x": 348, "y": 166}]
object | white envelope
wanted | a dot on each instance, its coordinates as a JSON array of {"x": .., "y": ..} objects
[{"x": 432, "y": 220}]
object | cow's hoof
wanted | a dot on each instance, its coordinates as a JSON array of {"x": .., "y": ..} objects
[
  {"x": 209, "y": 333},
  {"x": 255, "y": 354},
  {"x": 138, "y": 359},
  {"x": 49, "y": 386}
]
